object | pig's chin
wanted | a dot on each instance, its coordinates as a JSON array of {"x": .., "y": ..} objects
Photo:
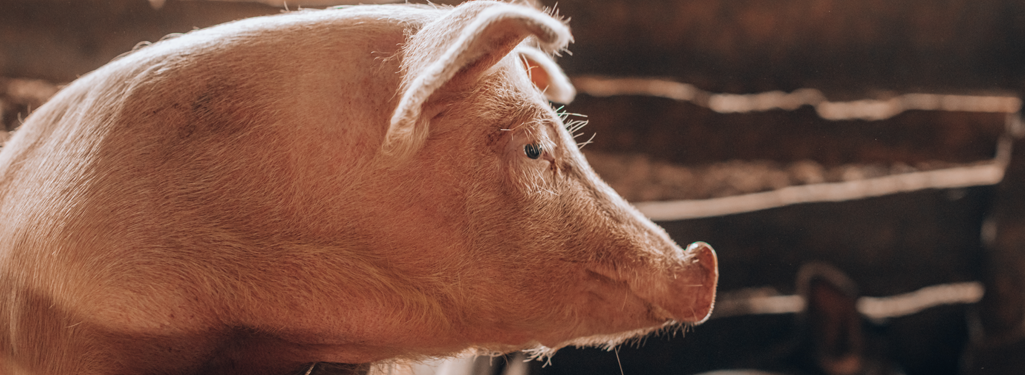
[
  {"x": 608, "y": 311},
  {"x": 627, "y": 309},
  {"x": 605, "y": 341}
]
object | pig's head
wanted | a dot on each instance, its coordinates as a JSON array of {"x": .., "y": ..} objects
[
  {"x": 537, "y": 247},
  {"x": 344, "y": 185}
]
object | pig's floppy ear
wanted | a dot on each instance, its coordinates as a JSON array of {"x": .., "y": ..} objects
[
  {"x": 547, "y": 75},
  {"x": 457, "y": 49}
]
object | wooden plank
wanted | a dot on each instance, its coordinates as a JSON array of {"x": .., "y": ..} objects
[
  {"x": 999, "y": 341},
  {"x": 889, "y": 245},
  {"x": 684, "y": 133},
  {"x": 959, "y": 177},
  {"x": 61, "y": 40},
  {"x": 855, "y": 47},
  {"x": 841, "y": 47}
]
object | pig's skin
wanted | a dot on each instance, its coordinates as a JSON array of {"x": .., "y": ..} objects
[{"x": 319, "y": 186}]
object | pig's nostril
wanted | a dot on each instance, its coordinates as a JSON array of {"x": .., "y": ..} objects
[
  {"x": 703, "y": 254},
  {"x": 697, "y": 246}
]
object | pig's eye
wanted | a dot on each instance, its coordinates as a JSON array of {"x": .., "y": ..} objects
[{"x": 533, "y": 151}]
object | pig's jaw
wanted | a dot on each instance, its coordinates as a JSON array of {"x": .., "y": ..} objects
[
  {"x": 544, "y": 349},
  {"x": 607, "y": 342}
]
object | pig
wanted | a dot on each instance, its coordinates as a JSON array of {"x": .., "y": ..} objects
[{"x": 361, "y": 185}]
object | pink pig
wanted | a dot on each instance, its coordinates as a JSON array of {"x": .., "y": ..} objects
[{"x": 354, "y": 185}]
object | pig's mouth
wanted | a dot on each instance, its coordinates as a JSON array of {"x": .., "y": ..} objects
[{"x": 618, "y": 290}]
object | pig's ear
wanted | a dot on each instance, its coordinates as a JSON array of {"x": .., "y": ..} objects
[
  {"x": 454, "y": 51},
  {"x": 833, "y": 323},
  {"x": 547, "y": 75}
]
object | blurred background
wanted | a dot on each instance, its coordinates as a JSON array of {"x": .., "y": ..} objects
[{"x": 873, "y": 143}]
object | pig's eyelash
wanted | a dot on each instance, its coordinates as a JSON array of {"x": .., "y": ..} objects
[
  {"x": 573, "y": 126},
  {"x": 538, "y": 141},
  {"x": 587, "y": 142},
  {"x": 531, "y": 131}
]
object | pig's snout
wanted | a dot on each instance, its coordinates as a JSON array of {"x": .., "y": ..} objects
[
  {"x": 696, "y": 279},
  {"x": 686, "y": 292}
]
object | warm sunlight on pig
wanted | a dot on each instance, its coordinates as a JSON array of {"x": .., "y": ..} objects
[{"x": 350, "y": 185}]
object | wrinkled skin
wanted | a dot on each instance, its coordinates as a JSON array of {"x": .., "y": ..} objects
[{"x": 287, "y": 189}]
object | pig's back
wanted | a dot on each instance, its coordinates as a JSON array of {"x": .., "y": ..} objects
[{"x": 197, "y": 141}]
